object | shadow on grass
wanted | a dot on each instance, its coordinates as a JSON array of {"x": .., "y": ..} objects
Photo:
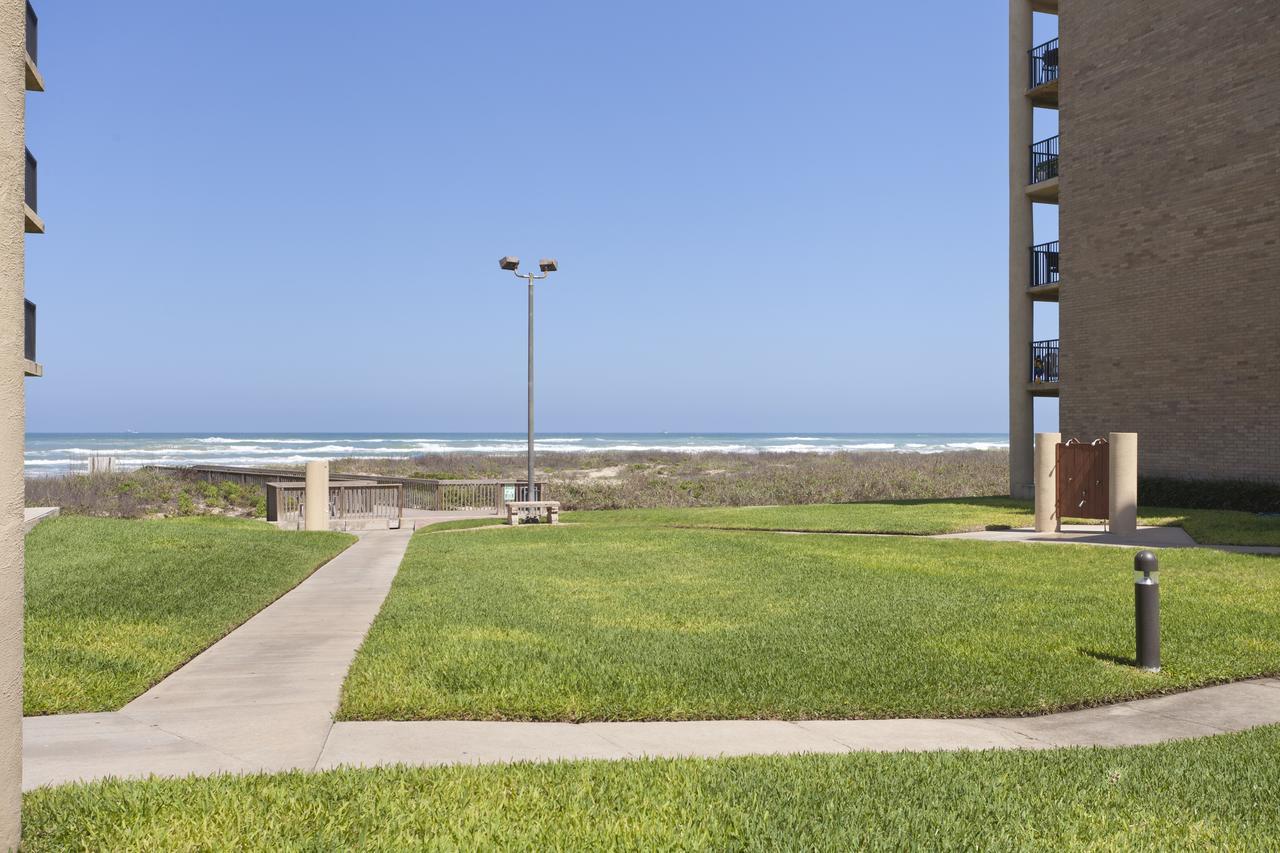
[
  {"x": 985, "y": 501},
  {"x": 1108, "y": 657}
]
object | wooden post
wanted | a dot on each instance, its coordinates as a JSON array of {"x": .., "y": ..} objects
[
  {"x": 273, "y": 502},
  {"x": 317, "y": 496}
]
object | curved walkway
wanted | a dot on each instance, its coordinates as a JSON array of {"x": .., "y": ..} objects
[
  {"x": 1197, "y": 713},
  {"x": 262, "y": 699}
]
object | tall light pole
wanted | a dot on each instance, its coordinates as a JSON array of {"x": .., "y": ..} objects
[{"x": 546, "y": 267}]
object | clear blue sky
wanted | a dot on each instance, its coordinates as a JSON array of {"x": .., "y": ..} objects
[{"x": 768, "y": 216}]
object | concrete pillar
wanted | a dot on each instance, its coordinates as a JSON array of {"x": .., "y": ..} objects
[
  {"x": 1047, "y": 520},
  {"x": 1123, "y": 497},
  {"x": 13, "y": 104},
  {"x": 1021, "y": 238},
  {"x": 317, "y": 496}
]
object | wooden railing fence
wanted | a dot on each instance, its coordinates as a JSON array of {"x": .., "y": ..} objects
[
  {"x": 287, "y": 501},
  {"x": 416, "y": 492}
]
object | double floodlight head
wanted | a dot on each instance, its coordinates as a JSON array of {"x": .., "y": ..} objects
[{"x": 546, "y": 265}]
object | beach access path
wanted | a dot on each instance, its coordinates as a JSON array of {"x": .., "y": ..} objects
[{"x": 262, "y": 699}]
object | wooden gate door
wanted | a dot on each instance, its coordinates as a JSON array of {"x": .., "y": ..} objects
[{"x": 1084, "y": 474}]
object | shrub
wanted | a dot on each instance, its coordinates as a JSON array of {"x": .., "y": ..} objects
[
  {"x": 652, "y": 479},
  {"x": 1241, "y": 495},
  {"x": 143, "y": 492}
]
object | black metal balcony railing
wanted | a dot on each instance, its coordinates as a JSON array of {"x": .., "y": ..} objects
[
  {"x": 29, "y": 331},
  {"x": 1044, "y": 264},
  {"x": 29, "y": 193},
  {"x": 1044, "y": 160},
  {"x": 1044, "y": 64},
  {"x": 1044, "y": 361},
  {"x": 33, "y": 34}
]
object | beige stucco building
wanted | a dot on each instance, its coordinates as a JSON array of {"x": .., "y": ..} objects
[
  {"x": 1165, "y": 268},
  {"x": 18, "y": 75}
]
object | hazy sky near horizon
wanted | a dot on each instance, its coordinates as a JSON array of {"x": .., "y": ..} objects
[{"x": 287, "y": 216}]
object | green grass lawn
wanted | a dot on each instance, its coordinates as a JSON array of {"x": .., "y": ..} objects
[
  {"x": 1218, "y": 526},
  {"x": 928, "y": 517},
  {"x": 1213, "y": 793},
  {"x": 601, "y": 622},
  {"x": 922, "y": 517},
  {"x": 113, "y": 606}
]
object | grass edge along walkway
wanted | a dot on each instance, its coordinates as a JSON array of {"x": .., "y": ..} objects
[
  {"x": 927, "y": 518},
  {"x": 591, "y": 622},
  {"x": 909, "y": 518},
  {"x": 1219, "y": 792},
  {"x": 114, "y": 605}
]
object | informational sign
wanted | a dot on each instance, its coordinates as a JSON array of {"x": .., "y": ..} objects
[{"x": 508, "y": 493}]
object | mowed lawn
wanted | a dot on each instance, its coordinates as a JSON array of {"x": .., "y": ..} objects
[
  {"x": 929, "y": 517},
  {"x": 1220, "y": 793},
  {"x": 114, "y": 605},
  {"x": 912, "y": 517},
  {"x": 602, "y": 622}
]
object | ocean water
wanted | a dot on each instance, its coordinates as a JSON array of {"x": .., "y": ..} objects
[{"x": 54, "y": 453}]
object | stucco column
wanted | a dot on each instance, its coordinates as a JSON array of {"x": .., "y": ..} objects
[
  {"x": 1123, "y": 497},
  {"x": 13, "y": 104},
  {"x": 1047, "y": 520},
  {"x": 317, "y": 496},
  {"x": 1021, "y": 237}
]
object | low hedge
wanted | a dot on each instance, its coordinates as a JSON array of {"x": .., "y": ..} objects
[{"x": 1239, "y": 495}]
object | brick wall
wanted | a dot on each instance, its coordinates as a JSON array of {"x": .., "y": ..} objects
[{"x": 1170, "y": 228}]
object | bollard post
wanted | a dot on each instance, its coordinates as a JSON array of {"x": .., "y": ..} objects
[{"x": 1146, "y": 602}]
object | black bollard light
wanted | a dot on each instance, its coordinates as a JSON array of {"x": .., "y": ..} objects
[{"x": 1146, "y": 602}]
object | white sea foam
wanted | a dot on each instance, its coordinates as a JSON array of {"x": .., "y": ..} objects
[
  {"x": 265, "y": 440},
  {"x": 45, "y": 454}
]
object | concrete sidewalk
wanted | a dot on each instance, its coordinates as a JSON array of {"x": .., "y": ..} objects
[
  {"x": 1146, "y": 536},
  {"x": 33, "y": 515},
  {"x": 1086, "y": 534},
  {"x": 262, "y": 698},
  {"x": 1213, "y": 710},
  {"x": 91, "y": 746}
]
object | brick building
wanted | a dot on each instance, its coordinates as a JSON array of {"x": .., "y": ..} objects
[{"x": 1166, "y": 267}]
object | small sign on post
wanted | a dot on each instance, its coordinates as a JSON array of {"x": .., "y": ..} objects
[{"x": 508, "y": 493}]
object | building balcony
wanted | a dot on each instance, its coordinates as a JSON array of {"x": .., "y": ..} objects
[
  {"x": 1044, "y": 280},
  {"x": 1049, "y": 7},
  {"x": 1044, "y": 171},
  {"x": 1043, "y": 379},
  {"x": 35, "y": 225},
  {"x": 32, "y": 367},
  {"x": 1042, "y": 82},
  {"x": 35, "y": 82}
]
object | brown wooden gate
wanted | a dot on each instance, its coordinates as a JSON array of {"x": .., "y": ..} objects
[{"x": 1084, "y": 476}]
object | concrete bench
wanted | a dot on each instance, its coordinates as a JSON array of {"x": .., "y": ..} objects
[{"x": 517, "y": 508}]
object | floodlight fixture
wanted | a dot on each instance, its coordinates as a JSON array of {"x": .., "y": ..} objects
[{"x": 546, "y": 267}]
